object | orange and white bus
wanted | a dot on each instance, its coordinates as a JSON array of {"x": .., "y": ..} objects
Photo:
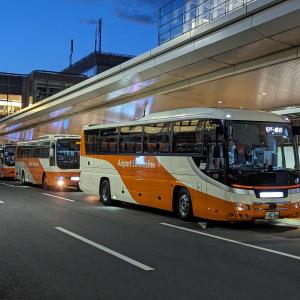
[
  {"x": 7, "y": 161},
  {"x": 217, "y": 164},
  {"x": 52, "y": 161}
]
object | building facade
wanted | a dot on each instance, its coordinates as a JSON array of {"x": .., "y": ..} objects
[
  {"x": 180, "y": 16},
  {"x": 19, "y": 90},
  {"x": 11, "y": 93},
  {"x": 96, "y": 62},
  {"x": 43, "y": 84}
]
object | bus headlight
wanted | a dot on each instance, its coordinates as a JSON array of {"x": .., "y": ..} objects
[
  {"x": 296, "y": 205},
  {"x": 242, "y": 206},
  {"x": 60, "y": 180}
]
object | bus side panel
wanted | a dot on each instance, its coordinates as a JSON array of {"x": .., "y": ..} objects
[
  {"x": 136, "y": 181},
  {"x": 18, "y": 169},
  {"x": 161, "y": 189},
  {"x": 32, "y": 168},
  {"x": 122, "y": 185},
  {"x": 84, "y": 182},
  {"x": 89, "y": 179},
  {"x": 95, "y": 168},
  {"x": 216, "y": 204},
  {"x": 179, "y": 173},
  {"x": 22, "y": 166}
]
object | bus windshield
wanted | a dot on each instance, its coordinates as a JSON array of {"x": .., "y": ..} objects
[
  {"x": 261, "y": 146},
  {"x": 9, "y": 155},
  {"x": 68, "y": 154}
]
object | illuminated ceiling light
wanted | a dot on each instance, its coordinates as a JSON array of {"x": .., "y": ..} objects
[
  {"x": 228, "y": 116},
  {"x": 220, "y": 102},
  {"x": 241, "y": 107},
  {"x": 264, "y": 93}
]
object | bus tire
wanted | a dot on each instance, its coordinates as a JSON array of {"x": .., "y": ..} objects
[
  {"x": 105, "y": 195},
  {"x": 23, "y": 180},
  {"x": 184, "y": 205},
  {"x": 44, "y": 182}
]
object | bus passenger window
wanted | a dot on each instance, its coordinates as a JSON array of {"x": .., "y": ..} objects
[
  {"x": 131, "y": 139},
  {"x": 157, "y": 138},
  {"x": 188, "y": 137},
  {"x": 108, "y": 140},
  {"x": 91, "y": 141}
]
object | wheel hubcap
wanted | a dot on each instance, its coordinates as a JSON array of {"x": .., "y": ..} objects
[
  {"x": 104, "y": 194},
  {"x": 184, "y": 205}
]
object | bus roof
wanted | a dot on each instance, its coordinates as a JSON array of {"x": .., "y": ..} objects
[
  {"x": 201, "y": 113},
  {"x": 50, "y": 137}
]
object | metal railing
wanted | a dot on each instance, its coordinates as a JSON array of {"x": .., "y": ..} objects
[{"x": 180, "y": 16}]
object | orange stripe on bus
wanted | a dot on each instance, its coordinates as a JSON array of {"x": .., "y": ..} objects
[{"x": 253, "y": 187}]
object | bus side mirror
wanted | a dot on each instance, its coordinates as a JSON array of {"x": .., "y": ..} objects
[
  {"x": 296, "y": 130},
  {"x": 51, "y": 152}
]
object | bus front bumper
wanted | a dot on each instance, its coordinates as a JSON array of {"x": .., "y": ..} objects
[
  {"x": 269, "y": 212},
  {"x": 7, "y": 173},
  {"x": 67, "y": 181}
]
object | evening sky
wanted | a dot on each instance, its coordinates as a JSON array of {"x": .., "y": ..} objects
[{"x": 35, "y": 35}]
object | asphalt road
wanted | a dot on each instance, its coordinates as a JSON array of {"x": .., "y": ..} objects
[{"x": 74, "y": 248}]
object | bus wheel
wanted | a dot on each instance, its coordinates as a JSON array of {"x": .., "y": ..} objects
[
  {"x": 23, "y": 180},
  {"x": 44, "y": 182},
  {"x": 184, "y": 204},
  {"x": 105, "y": 195}
]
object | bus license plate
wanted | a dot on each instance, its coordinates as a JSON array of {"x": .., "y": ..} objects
[{"x": 272, "y": 215}]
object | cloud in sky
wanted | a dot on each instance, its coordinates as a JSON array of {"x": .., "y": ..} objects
[
  {"x": 140, "y": 11},
  {"x": 137, "y": 11},
  {"x": 136, "y": 16}
]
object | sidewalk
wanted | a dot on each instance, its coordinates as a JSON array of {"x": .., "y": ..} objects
[{"x": 291, "y": 222}]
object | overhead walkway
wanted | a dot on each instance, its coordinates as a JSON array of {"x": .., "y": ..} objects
[{"x": 248, "y": 58}]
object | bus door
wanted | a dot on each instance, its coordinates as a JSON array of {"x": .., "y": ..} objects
[
  {"x": 52, "y": 154},
  {"x": 215, "y": 170},
  {"x": 296, "y": 133}
]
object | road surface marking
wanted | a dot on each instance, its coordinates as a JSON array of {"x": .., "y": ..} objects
[
  {"x": 233, "y": 241},
  {"x": 50, "y": 195},
  {"x": 16, "y": 186},
  {"x": 105, "y": 249},
  {"x": 2, "y": 202}
]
